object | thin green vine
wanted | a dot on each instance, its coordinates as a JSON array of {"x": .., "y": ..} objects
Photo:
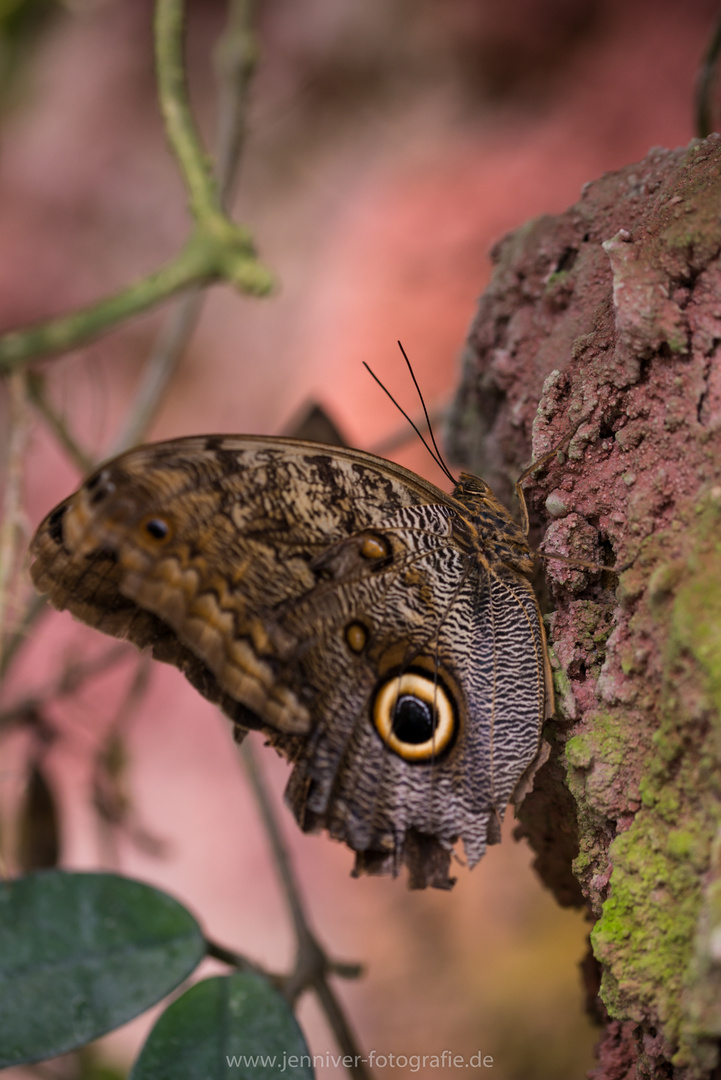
[{"x": 217, "y": 249}]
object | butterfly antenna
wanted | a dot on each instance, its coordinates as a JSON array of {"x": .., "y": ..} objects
[
  {"x": 434, "y": 452},
  {"x": 438, "y": 455}
]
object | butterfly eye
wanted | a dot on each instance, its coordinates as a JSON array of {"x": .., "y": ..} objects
[
  {"x": 157, "y": 528},
  {"x": 414, "y": 715}
]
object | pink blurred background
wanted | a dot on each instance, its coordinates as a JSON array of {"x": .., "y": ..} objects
[{"x": 390, "y": 145}]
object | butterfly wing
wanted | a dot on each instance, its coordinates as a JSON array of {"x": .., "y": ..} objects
[
  {"x": 189, "y": 546},
  {"x": 471, "y": 640},
  {"x": 318, "y": 594}
]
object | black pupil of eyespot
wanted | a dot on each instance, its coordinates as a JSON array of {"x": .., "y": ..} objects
[
  {"x": 158, "y": 529},
  {"x": 414, "y": 721}
]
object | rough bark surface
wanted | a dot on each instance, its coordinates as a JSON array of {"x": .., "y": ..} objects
[{"x": 606, "y": 321}]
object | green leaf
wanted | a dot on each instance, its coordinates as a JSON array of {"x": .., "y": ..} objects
[
  {"x": 82, "y": 953},
  {"x": 229, "y": 1026}
]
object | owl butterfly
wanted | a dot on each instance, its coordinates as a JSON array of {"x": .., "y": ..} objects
[{"x": 381, "y": 633}]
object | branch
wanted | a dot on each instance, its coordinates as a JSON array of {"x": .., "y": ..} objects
[
  {"x": 36, "y": 392},
  {"x": 13, "y": 526},
  {"x": 73, "y": 675},
  {"x": 32, "y": 613},
  {"x": 179, "y": 126},
  {"x": 167, "y": 351},
  {"x": 237, "y": 960},
  {"x": 236, "y": 58},
  {"x": 218, "y": 249},
  {"x": 312, "y": 966}
]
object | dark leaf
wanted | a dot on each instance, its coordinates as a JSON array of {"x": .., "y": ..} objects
[
  {"x": 231, "y": 1026},
  {"x": 82, "y": 953}
]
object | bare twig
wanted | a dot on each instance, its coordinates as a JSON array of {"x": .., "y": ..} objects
[
  {"x": 340, "y": 1028},
  {"x": 197, "y": 262},
  {"x": 312, "y": 965},
  {"x": 33, "y": 611},
  {"x": 180, "y": 128},
  {"x": 13, "y": 528},
  {"x": 58, "y": 426},
  {"x": 111, "y": 797},
  {"x": 275, "y": 838},
  {"x": 217, "y": 249},
  {"x": 237, "y": 960},
  {"x": 67, "y": 683},
  {"x": 236, "y": 59},
  {"x": 160, "y": 369}
]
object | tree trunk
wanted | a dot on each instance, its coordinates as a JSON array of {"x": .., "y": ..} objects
[{"x": 605, "y": 321}]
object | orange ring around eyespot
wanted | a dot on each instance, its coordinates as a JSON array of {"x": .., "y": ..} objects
[{"x": 428, "y": 689}]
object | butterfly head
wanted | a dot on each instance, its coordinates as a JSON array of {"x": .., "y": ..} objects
[
  {"x": 472, "y": 487},
  {"x": 486, "y": 525}
]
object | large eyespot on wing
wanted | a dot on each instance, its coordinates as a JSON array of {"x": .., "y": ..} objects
[
  {"x": 415, "y": 714},
  {"x": 366, "y": 787},
  {"x": 424, "y": 749}
]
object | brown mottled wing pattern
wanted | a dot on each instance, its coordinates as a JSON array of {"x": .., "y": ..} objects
[{"x": 296, "y": 585}]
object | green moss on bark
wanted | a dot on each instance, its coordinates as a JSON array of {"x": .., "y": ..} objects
[{"x": 647, "y": 935}]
